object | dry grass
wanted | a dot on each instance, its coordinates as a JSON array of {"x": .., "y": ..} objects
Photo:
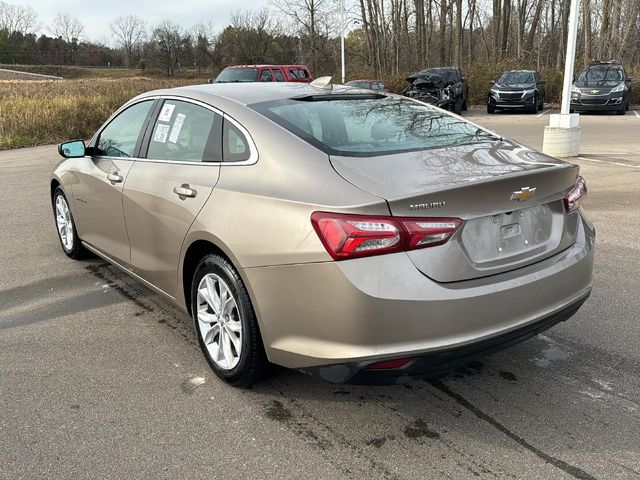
[{"x": 44, "y": 112}]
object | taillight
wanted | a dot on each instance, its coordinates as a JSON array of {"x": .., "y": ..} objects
[
  {"x": 350, "y": 236},
  {"x": 576, "y": 195}
]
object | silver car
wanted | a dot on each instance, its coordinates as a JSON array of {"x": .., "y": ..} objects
[{"x": 364, "y": 237}]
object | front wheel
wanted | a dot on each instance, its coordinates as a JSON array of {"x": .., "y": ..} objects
[
  {"x": 226, "y": 323},
  {"x": 491, "y": 109},
  {"x": 457, "y": 107},
  {"x": 66, "y": 227}
]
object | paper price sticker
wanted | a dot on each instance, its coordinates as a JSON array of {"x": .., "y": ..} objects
[
  {"x": 177, "y": 126},
  {"x": 162, "y": 130},
  {"x": 167, "y": 111}
]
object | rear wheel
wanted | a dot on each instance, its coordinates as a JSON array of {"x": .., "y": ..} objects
[
  {"x": 66, "y": 227},
  {"x": 226, "y": 323}
]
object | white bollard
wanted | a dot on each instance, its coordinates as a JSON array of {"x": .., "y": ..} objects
[{"x": 562, "y": 135}]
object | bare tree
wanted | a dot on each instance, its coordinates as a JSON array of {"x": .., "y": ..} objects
[
  {"x": 69, "y": 29},
  {"x": 129, "y": 31},
  {"x": 310, "y": 16},
  {"x": 17, "y": 18},
  {"x": 168, "y": 41},
  {"x": 204, "y": 44}
]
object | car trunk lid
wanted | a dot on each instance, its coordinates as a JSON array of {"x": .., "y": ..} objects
[{"x": 479, "y": 183}]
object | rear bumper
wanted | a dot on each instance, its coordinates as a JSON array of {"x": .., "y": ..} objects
[
  {"x": 440, "y": 361},
  {"x": 360, "y": 311}
]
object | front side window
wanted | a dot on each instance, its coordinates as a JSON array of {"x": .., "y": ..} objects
[
  {"x": 119, "y": 138},
  {"x": 185, "y": 132},
  {"x": 265, "y": 76},
  {"x": 368, "y": 125}
]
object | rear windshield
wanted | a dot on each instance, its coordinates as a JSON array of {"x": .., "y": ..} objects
[
  {"x": 238, "y": 75},
  {"x": 358, "y": 84},
  {"x": 371, "y": 125}
]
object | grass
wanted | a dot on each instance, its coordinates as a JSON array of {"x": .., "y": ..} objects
[{"x": 44, "y": 112}]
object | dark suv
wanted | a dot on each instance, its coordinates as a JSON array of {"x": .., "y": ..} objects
[
  {"x": 601, "y": 86},
  {"x": 516, "y": 89},
  {"x": 444, "y": 87}
]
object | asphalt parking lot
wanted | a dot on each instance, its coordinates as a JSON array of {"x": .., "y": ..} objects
[{"x": 101, "y": 378}]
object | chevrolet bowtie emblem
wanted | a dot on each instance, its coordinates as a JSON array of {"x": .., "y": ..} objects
[
  {"x": 595, "y": 91},
  {"x": 523, "y": 194}
]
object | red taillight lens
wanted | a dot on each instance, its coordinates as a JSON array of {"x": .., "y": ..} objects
[
  {"x": 429, "y": 232},
  {"x": 349, "y": 236},
  {"x": 576, "y": 195}
]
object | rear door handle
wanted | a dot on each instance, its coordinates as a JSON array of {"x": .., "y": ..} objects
[
  {"x": 115, "y": 178},
  {"x": 184, "y": 191}
]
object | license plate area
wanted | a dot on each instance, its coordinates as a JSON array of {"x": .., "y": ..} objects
[{"x": 509, "y": 236}]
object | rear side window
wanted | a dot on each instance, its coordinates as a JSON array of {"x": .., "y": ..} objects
[
  {"x": 185, "y": 132},
  {"x": 120, "y": 136},
  {"x": 367, "y": 125},
  {"x": 235, "y": 146},
  {"x": 298, "y": 73},
  {"x": 278, "y": 74}
]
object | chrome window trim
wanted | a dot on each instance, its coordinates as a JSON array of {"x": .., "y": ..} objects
[{"x": 253, "y": 151}]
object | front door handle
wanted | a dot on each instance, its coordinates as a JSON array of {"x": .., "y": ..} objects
[
  {"x": 115, "y": 178},
  {"x": 184, "y": 191}
]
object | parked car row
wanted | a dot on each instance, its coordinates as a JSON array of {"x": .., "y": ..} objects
[{"x": 601, "y": 86}]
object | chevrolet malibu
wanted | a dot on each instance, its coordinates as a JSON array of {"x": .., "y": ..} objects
[{"x": 363, "y": 237}]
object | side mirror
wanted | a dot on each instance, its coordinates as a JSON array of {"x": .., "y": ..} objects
[
  {"x": 541, "y": 82},
  {"x": 492, "y": 82},
  {"x": 72, "y": 149},
  {"x": 629, "y": 79}
]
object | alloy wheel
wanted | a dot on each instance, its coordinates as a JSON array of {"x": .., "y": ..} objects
[
  {"x": 219, "y": 321},
  {"x": 64, "y": 223}
]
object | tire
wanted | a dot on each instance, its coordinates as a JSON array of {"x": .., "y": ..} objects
[
  {"x": 66, "y": 227},
  {"x": 533, "y": 108},
  {"x": 465, "y": 107},
  {"x": 622, "y": 110},
  {"x": 238, "y": 362},
  {"x": 457, "y": 107},
  {"x": 491, "y": 109}
]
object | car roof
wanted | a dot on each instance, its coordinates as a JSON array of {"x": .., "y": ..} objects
[
  {"x": 266, "y": 66},
  {"x": 247, "y": 93},
  {"x": 517, "y": 71},
  {"x": 364, "y": 80}
]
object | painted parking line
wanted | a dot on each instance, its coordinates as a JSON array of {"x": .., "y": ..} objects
[
  {"x": 546, "y": 111},
  {"x": 636, "y": 114},
  {"x": 620, "y": 164}
]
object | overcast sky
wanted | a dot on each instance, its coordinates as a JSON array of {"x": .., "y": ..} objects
[{"x": 97, "y": 15}]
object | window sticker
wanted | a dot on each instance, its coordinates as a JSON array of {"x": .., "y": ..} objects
[
  {"x": 177, "y": 126},
  {"x": 167, "y": 111},
  {"x": 161, "y": 133}
]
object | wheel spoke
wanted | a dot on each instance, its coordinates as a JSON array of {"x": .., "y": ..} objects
[
  {"x": 235, "y": 327},
  {"x": 226, "y": 346},
  {"x": 213, "y": 295},
  {"x": 233, "y": 339},
  {"x": 228, "y": 306},
  {"x": 209, "y": 337}
]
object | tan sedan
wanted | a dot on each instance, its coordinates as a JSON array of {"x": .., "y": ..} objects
[{"x": 361, "y": 236}]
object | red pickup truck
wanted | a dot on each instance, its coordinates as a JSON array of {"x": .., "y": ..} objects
[{"x": 265, "y": 73}]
